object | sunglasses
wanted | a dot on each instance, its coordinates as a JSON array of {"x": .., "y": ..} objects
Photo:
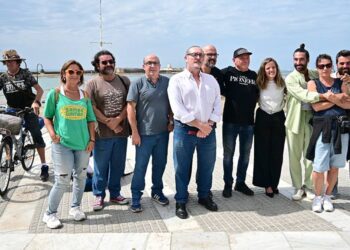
[
  {"x": 200, "y": 55},
  {"x": 150, "y": 63},
  {"x": 212, "y": 55},
  {"x": 322, "y": 66},
  {"x": 72, "y": 72},
  {"x": 111, "y": 62}
]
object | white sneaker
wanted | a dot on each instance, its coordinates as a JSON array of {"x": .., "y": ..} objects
[
  {"x": 52, "y": 221},
  {"x": 327, "y": 203},
  {"x": 317, "y": 204},
  {"x": 77, "y": 213},
  {"x": 309, "y": 194},
  {"x": 298, "y": 195}
]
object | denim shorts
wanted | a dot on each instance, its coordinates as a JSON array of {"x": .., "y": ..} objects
[
  {"x": 32, "y": 124},
  {"x": 325, "y": 157}
]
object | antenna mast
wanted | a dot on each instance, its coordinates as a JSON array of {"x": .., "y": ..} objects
[{"x": 101, "y": 42}]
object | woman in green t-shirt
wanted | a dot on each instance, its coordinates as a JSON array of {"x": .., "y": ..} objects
[{"x": 69, "y": 119}]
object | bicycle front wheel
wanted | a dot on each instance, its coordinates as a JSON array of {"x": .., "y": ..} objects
[
  {"x": 28, "y": 152},
  {"x": 5, "y": 166}
]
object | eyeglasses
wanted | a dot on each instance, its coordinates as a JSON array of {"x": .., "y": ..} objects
[
  {"x": 196, "y": 54},
  {"x": 150, "y": 63},
  {"x": 344, "y": 63},
  {"x": 111, "y": 62},
  {"x": 72, "y": 72},
  {"x": 212, "y": 55},
  {"x": 322, "y": 66}
]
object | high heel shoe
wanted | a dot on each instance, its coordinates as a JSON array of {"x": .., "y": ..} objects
[{"x": 269, "y": 194}]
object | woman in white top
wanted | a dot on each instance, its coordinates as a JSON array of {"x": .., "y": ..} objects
[{"x": 269, "y": 131}]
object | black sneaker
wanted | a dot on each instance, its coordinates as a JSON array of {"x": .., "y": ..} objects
[
  {"x": 227, "y": 192},
  {"x": 244, "y": 189},
  {"x": 44, "y": 176}
]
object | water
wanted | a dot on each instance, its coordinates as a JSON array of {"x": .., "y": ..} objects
[{"x": 50, "y": 82}]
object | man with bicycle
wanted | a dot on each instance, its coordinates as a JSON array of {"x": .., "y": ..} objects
[{"x": 17, "y": 84}]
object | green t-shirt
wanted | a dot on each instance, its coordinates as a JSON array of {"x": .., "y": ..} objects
[{"x": 71, "y": 119}]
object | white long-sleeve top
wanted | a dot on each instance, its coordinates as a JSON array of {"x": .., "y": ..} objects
[
  {"x": 271, "y": 99},
  {"x": 189, "y": 101}
]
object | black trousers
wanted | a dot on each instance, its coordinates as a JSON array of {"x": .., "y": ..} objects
[{"x": 269, "y": 136}]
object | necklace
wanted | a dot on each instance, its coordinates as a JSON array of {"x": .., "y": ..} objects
[{"x": 68, "y": 90}]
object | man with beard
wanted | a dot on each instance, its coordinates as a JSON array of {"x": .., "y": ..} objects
[
  {"x": 108, "y": 93},
  {"x": 343, "y": 71},
  {"x": 241, "y": 94},
  {"x": 151, "y": 121},
  {"x": 195, "y": 101},
  {"x": 208, "y": 66},
  {"x": 298, "y": 129}
]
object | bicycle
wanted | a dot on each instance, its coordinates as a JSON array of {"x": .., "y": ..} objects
[{"x": 14, "y": 136}]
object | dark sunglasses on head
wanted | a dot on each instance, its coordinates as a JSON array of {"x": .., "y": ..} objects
[
  {"x": 107, "y": 62},
  {"x": 72, "y": 72},
  {"x": 322, "y": 66}
]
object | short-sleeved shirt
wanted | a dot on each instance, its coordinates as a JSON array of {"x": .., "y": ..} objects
[
  {"x": 23, "y": 80},
  {"x": 152, "y": 105},
  {"x": 241, "y": 94},
  {"x": 71, "y": 119},
  {"x": 110, "y": 99},
  {"x": 219, "y": 78}
]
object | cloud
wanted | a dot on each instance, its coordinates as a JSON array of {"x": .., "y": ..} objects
[{"x": 51, "y": 31}]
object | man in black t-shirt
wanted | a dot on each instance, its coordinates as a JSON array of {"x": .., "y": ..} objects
[
  {"x": 17, "y": 84},
  {"x": 241, "y": 94},
  {"x": 209, "y": 62}
]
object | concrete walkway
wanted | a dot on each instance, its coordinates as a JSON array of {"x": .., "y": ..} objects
[{"x": 242, "y": 222}]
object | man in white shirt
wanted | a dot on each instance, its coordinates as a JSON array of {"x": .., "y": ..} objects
[{"x": 195, "y": 100}]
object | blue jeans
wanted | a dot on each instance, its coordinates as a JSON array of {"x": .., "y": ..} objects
[
  {"x": 184, "y": 145},
  {"x": 109, "y": 165},
  {"x": 230, "y": 132},
  {"x": 157, "y": 147},
  {"x": 67, "y": 161}
]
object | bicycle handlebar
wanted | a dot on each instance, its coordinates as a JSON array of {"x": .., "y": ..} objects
[{"x": 26, "y": 110}]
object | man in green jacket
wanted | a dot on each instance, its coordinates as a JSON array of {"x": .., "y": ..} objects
[{"x": 298, "y": 129}]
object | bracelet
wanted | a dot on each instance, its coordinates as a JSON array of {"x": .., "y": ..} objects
[{"x": 92, "y": 140}]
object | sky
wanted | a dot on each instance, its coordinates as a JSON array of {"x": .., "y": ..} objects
[{"x": 51, "y": 32}]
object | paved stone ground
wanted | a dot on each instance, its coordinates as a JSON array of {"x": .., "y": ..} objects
[
  {"x": 236, "y": 215},
  {"x": 242, "y": 222},
  {"x": 16, "y": 177}
]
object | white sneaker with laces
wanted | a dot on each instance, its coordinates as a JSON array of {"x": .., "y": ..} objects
[
  {"x": 317, "y": 204},
  {"x": 327, "y": 203},
  {"x": 298, "y": 195},
  {"x": 52, "y": 221},
  {"x": 77, "y": 213},
  {"x": 309, "y": 194}
]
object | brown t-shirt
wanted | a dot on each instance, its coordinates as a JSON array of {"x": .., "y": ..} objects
[{"x": 110, "y": 99}]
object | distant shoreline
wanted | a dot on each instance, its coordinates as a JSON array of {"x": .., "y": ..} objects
[{"x": 118, "y": 70}]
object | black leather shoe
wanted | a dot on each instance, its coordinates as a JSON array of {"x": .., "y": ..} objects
[
  {"x": 181, "y": 211},
  {"x": 208, "y": 203},
  {"x": 244, "y": 189},
  {"x": 227, "y": 192},
  {"x": 276, "y": 191}
]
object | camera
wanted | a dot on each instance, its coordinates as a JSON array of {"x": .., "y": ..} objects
[{"x": 344, "y": 124}]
